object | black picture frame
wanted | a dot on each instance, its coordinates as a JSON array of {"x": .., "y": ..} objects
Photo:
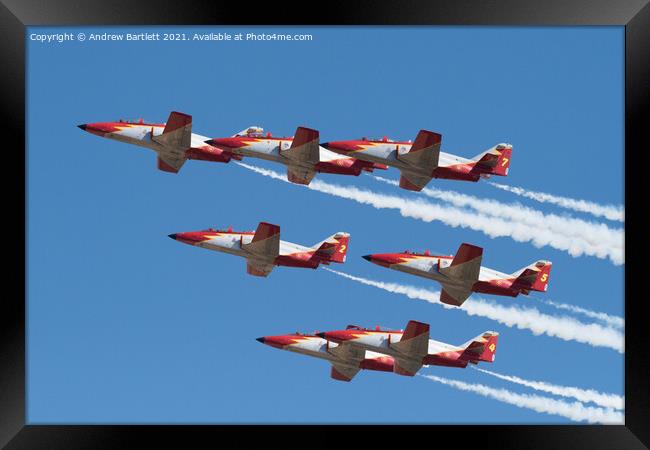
[{"x": 15, "y": 15}]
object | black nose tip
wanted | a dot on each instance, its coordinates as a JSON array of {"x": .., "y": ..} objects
[
  {"x": 367, "y": 257},
  {"x": 260, "y": 339},
  {"x": 173, "y": 236},
  {"x": 325, "y": 145},
  {"x": 83, "y": 126}
]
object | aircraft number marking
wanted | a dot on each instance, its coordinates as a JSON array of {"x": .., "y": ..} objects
[
  {"x": 544, "y": 277},
  {"x": 342, "y": 249},
  {"x": 504, "y": 162}
]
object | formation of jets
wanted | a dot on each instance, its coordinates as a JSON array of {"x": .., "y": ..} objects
[
  {"x": 304, "y": 155},
  {"x": 403, "y": 352}
]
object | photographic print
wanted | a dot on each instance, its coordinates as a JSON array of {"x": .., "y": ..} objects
[{"x": 325, "y": 225}]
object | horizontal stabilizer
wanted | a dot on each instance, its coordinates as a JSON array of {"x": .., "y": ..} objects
[
  {"x": 495, "y": 161},
  {"x": 481, "y": 348},
  {"x": 534, "y": 277},
  {"x": 334, "y": 248}
]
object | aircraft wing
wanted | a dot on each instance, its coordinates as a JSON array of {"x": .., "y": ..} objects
[
  {"x": 348, "y": 352},
  {"x": 265, "y": 245},
  {"x": 414, "y": 345},
  {"x": 171, "y": 162},
  {"x": 343, "y": 372},
  {"x": 413, "y": 181},
  {"x": 425, "y": 151},
  {"x": 466, "y": 265},
  {"x": 177, "y": 132},
  {"x": 300, "y": 175},
  {"x": 408, "y": 367},
  {"x": 415, "y": 340},
  {"x": 350, "y": 356},
  {"x": 453, "y": 295},
  {"x": 257, "y": 267},
  {"x": 305, "y": 146}
]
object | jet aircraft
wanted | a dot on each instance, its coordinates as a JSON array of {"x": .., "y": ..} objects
[
  {"x": 462, "y": 274},
  {"x": 346, "y": 360},
  {"x": 422, "y": 160},
  {"x": 264, "y": 250},
  {"x": 302, "y": 154},
  {"x": 173, "y": 141},
  {"x": 412, "y": 348}
]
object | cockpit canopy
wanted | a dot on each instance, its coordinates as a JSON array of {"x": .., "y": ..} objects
[
  {"x": 380, "y": 139},
  {"x": 216, "y": 230},
  {"x": 139, "y": 121},
  {"x": 253, "y": 131}
]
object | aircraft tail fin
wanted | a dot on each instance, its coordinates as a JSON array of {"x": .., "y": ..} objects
[
  {"x": 534, "y": 277},
  {"x": 481, "y": 348},
  {"x": 494, "y": 161},
  {"x": 334, "y": 248}
]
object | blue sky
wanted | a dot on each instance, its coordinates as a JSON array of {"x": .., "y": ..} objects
[{"x": 126, "y": 325}]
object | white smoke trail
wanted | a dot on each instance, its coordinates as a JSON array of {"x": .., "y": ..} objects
[
  {"x": 575, "y": 411},
  {"x": 614, "y": 321},
  {"x": 455, "y": 217},
  {"x": 598, "y": 235},
  {"x": 562, "y": 327},
  {"x": 611, "y": 212},
  {"x": 583, "y": 395}
]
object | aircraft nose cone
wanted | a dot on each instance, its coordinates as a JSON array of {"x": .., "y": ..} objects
[
  {"x": 260, "y": 339},
  {"x": 367, "y": 257},
  {"x": 82, "y": 126},
  {"x": 325, "y": 145},
  {"x": 173, "y": 236}
]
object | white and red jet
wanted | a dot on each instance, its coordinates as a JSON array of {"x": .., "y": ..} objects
[
  {"x": 462, "y": 274},
  {"x": 422, "y": 160},
  {"x": 412, "y": 348},
  {"x": 302, "y": 153},
  {"x": 264, "y": 250},
  {"x": 173, "y": 142},
  {"x": 346, "y": 360}
]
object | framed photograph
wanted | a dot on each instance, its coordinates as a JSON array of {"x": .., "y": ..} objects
[{"x": 372, "y": 215}]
